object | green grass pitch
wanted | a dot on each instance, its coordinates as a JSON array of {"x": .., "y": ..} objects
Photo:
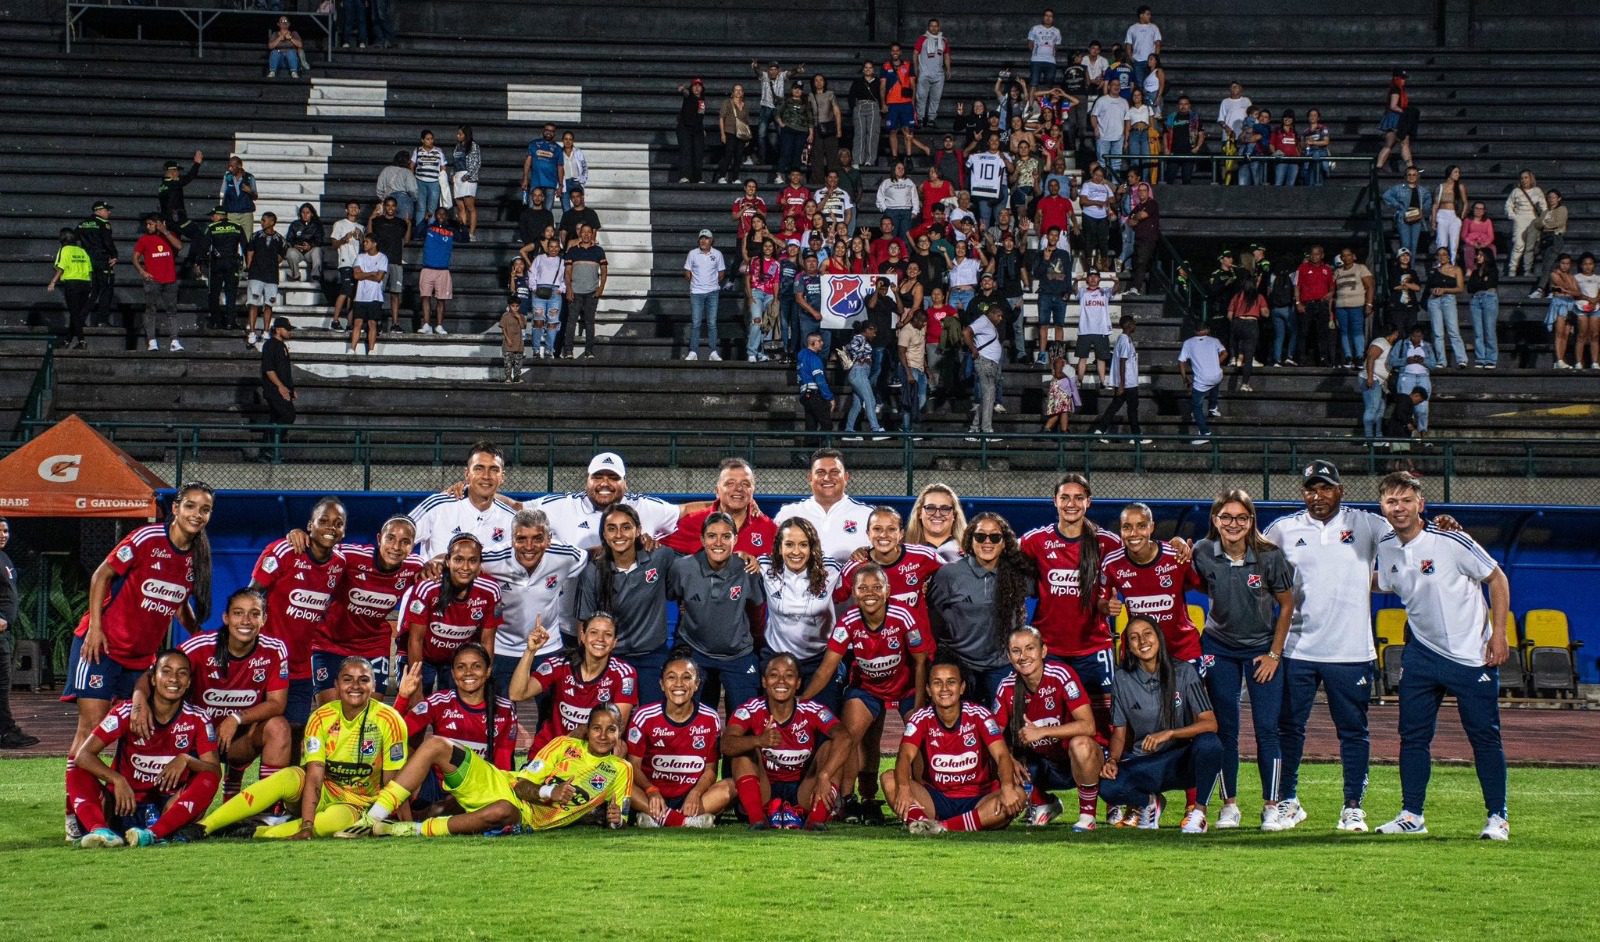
[{"x": 851, "y": 883}]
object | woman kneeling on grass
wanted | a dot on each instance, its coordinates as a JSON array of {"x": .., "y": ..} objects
[
  {"x": 1164, "y": 734},
  {"x": 353, "y": 747},
  {"x": 965, "y": 780},
  {"x": 787, "y": 754},
  {"x": 568, "y": 781},
  {"x": 169, "y": 776}
]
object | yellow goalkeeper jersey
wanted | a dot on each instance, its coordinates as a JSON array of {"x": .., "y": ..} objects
[
  {"x": 355, "y": 752},
  {"x": 596, "y": 780}
]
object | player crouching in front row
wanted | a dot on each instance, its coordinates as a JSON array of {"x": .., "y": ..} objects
[
  {"x": 787, "y": 754},
  {"x": 966, "y": 780}
]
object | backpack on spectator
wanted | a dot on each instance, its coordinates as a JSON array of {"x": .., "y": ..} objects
[{"x": 1282, "y": 293}]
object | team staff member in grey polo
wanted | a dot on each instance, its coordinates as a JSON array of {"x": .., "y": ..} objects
[
  {"x": 715, "y": 591},
  {"x": 630, "y": 582},
  {"x": 1246, "y": 577},
  {"x": 537, "y": 583},
  {"x": 976, "y": 601}
]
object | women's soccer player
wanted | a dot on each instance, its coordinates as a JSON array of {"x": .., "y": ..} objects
[
  {"x": 1148, "y": 576},
  {"x": 716, "y": 593},
  {"x": 353, "y": 747},
  {"x": 674, "y": 748},
  {"x": 471, "y": 714},
  {"x": 578, "y": 680},
  {"x": 1049, "y": 727},
  {"x": 787, "y": 754},
  {"x": 569, "y": 780},
  {"x": 299, "y": 585},
  {"x": 167, "y": 777},
  {"x": 362, "y": 617},
  {"x": 461, "y": 605},
  {"x": 157, "y": 573},
  {"x": 1165, "y": 733},
  {"x": 953, "y": 772}
]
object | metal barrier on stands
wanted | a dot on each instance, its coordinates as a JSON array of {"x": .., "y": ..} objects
[
  {"x": 199, "y": 16},
  {"x": 321, "y": 457}
]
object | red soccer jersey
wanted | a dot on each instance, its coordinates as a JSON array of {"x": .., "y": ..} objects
[
  {"x": 1052, "y": 704},
  {"x": 1315, "y": 281},
  {"x": 792, "y": 200},
  {"x": 672, "y": 755},
  {"x": 880, "y": 659},
  {"x": 363, "y": 603},
  {"x": 572, "y": 697},
  {"x": 462, "y": 621},
  {"x": 908, "y": 579},
  {"x": 756, "y": 537},
  {"x": 1070, "y": 624},
  {"x": 243, "y": 683},
  {"x": 467, "y": 726},
  {"x": 159, "y": 261},
  {"x": 142, "y": 760},
  {"x": 800, "y": 736},
  {"x": 153, "y": 582},
  {"x": 1155, "y": 590},
  {"x": 956, "y": 758},
  {"x": 746, "y": 207},
  {"x": 298, "y": 591}
]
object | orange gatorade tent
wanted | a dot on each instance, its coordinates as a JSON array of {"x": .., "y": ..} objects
[{"x": 73, "y": 471}]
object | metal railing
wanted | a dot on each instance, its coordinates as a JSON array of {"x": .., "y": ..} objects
[
  {"x": 321, "y": 457},
  {"x": 200, "y": 16}
]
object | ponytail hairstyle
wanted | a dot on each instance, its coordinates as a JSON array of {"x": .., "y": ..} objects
[
  {"x": 1164, "y": 670},
  {"x": 169, "y": 652},
  {"x": 1088, "y": 543},
  {"x": 490, "y": 694},
  {"x": 816, "y": 569},
  {"x": 447, "y": 585},
  {"x": 1018, "y": 717},
  {"x": 200, "y": 598},
  {"x": 608, "y": 561},
  {"x": 226, "y": 632}
]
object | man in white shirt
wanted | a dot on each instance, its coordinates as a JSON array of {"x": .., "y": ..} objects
[
  {"x": 535, "y": 589},
  {"x": 346, "y": 241},
  {"x": 1110, "y": 111},
  {"x": 1094, "y": 324},
  {"x": 1456, "y": 649},
  {"x": 1143, "y": 40},
  {"x": 1095, "y": 198},
  {"x": 840, "y": 520},
  {"x": 982, "y": 337},
  {"x": 1042, "y": 42},
  {"x": 1233, "y": 112},
  {"x": 1124, "y": 381},
  {"x": 1200, "y": 361},
  {"x": 703, "y": 271},
  {"x": 834, "y": 204},
  {"x": 1094, "y": 68},
  {"x": 575, "y": 518},
  {"x": 479, "y": 510}
]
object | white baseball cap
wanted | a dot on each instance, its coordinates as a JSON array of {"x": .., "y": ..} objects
[
  {"x": 608, "y": 461},
  {"x": 706, "y": 234}
]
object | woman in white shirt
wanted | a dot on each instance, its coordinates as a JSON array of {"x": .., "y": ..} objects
[
  {"x": 428, "y": 162},
  {"x": 574, "y": 170},
  {"x": 1136, "y": 128},
  {"x": 547, "y": 277},
  {"x": 965, "y": 269},
  {"x": 800, "y": 581}
]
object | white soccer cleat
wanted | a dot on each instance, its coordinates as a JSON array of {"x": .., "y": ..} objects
[
  {"x": 699, "y": 820},
  {"x": 74, "y": 830},
  {"x": 1497, "y": 829},
  {"x": 1404, "y": 823},
  {"x": 363, "y": 826},
  {"x": 1194, "y": 822},
  {"x": 1150, "y": 814},
  {"x": 1116, "y": 815},
  {"x": 925, "y": 827},
  {"x": 1353, "y": 820},
  {"x": 647, "y": 821},
  {"x": 1037, "y": 816},
  {"x": 1229, "y": 817},
  {"x": 1084, "y": 824}
]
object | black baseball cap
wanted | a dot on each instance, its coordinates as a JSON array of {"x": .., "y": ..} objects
[
  {"x": 99, "y": 205},
  {"x": 1323, "y": 471},
  {"x": 282, "y": 322},
  {"x": 170, "y": 165},
  {"x": 218, "y": 211}
]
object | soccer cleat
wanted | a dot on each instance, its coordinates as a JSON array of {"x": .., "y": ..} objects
[
  {"x": 1115, "y": 815},
  {"x": 1150, "y": 814},
  {"x": 101, "y": 837},
  {"x": 699, "y": 820},
  {"x": 400, "y": 828},
  {"x": 1496, "y": 829},
  {"x": 1037, "y": 816},
  {"x": 1084, "y": 823},
  {"x": 360, "y": 827},
  {"x": 872, "y": 812},
  {"x": 1404, "y": 823},
  {"x": 647, "y": 821},
  {"x": 1194, "y": 822},
  {"x": 74, "y": 830},
  {"x": 1353, "y": 820},
  {"x": 141, "y": 837},
  {"x": 1229, "y": 817},
  {"x": 849, "y": 810},
  {"x": 925, "y": 827}
]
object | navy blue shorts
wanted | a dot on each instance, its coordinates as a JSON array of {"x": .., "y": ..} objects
[
  {"x": 302, "y": 700},
  {"x": 874, "y": 703},
  {"x": 788, "y": 792},
  {"x": 1094, "y": 670},
  {"x": 325, "y": 671},
  {"x": 901, "y": 116},
  {"x": 944, "y": 807},
  {"x": 106, "y": 680}
]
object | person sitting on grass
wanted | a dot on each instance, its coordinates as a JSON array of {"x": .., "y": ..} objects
[
  {"x": 673, "y": 746},
  {"x": 787, "y": 754},
  {"x": 569, "y": 780}
]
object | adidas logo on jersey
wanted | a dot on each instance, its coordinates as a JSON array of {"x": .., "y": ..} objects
[{"x": 1300, "y": 542}]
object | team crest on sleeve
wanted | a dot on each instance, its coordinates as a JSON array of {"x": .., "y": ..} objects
[
  {"x": 109, "y": 724},
  {"x": 125, "y": 553},
  {"x": 651, "y": 575},
  {"x": 1427, "y": 567},
  {"x": 313, "y": 744},
  {"x": 1253, "y": 580},
  {"x": 270, "y": 564}
]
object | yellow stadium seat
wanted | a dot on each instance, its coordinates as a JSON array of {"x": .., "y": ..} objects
[
  {"x": 1551, "y": 654},
  {"x": 1546, "y": 628},
  {"x": 1513, "y": 673}
]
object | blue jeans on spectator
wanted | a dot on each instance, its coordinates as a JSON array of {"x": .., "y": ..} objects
[
  {"x": 789, "y": 322},
  {"x": 1283, "y": 333},
  {"x": 1286, "y": 173},
  {"x": 960, "y": 298},
  {"x": 1409, "y": 233},
  {"x": 791, "y": 144},
  {"x": 903, "y": 220},
  {"x": 405, "y": 205},
  {"x": 1140, "y": 70},
  {"x": 1371, "y": 406},
  {"x": 353, "y": 22},
  {"x": 1107, "y": 152},
  {"x": 1052, "y": 310},
  {"x": 913, "y": 398},
  {"x": 1485, "y": 310},
  {"x": 547, "y": 310},
  {"x": 987, "y": 209},
  {"x": 759, "y": 302},
  {"x": 1316, "y": 166},
  {"x": 764, "y": 125},
  {"x": 427, "y": 202},
  {"x": 566, "y": 195},
  {"x": 1445, "y": 318},
  {"x": 1202, "y": 401},
  {"x": 283, "y": 59},
  {"x": 1041, "y": 72},
  {"x": 1138, "y": 145},
  {"x": 862, "y": 401},
  {"x": 1404, "y": 383},
  {"x": 1352, "y": 333},
  {"x": 703, "y": 310},
  {"x": 383, "y": 21}
]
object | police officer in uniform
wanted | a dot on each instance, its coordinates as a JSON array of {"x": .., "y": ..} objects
[
  {"x": 225, "y": 251},
  {"x": 169, "y": 199},
  {"x": 1223, "y": 284},
  {"x": 94, "y": 234}
]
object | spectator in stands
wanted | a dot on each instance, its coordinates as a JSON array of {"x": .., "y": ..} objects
[
  {"x": 1094, "y": 67},
  {"x": 932, "y": 59},
  {"x": 94, "y": 234},
  {"x": 897, "y": 92},
  {"x": 834, "y": 204},
  {"x": 467, "y": 159},
  {"x": 382, "y": 22},
  {"x": 1394, "y": 126},
  {"x": 305, "y": 237},
  {"x": 1245, "y": 313},
  {"x": 1314, "y": 143},
  {"x": 807, "y": 296},
  {"x": 277, "y": 376},
  {"x": 398, "y": 183},
  {"x": 586, "y": 273},
  {"x": 512, "y": 324},
  {"x": 816, "y": 399},
  {"x": 1445, "y": 283},
  {"x": 284, "y": 50},
  {"x": 434, "y": 285},
  {"x": 173, "y": 208},
  {"x": 860, "y": 356},
  {"x": 1313, "y": 305},
  {"x": 1405, "y": 295},
  {"x": 898, "y": 199},
  {"x": 1419, "y": 412},
  {"x": 574, "y": 171},
  {"x": 1094, "y": 324},
  {"x": 911, "y": 342},
  {"x": 391, "y": 232},
  {"x": 74, "y": 272},
  {"x": 795, "y": 119},
  {"x": 1412, "y": 207},
  {"x": 982, "y": 337},
  {"x": 1413, "y": 358},
  {"x": 261, "y": 260},
  {"x": 1354, "y": 291},
  {"x": 763, "y": 274},
  {"x": 547, "y": 281},
  {"x": 156, "y": 261},
  {"x": 1124, "y": 382},
  {"x": 1280, "y": 301},
  {"x": 691, "y": 131},
  {"x": 1285, "y": 142},
  {"x": 1185, "y": 136},
  {"x": 1588, "y": 312},
  {"x": 1043, "y": 39},
  {"x": 239, "y": 195},
  {"x": 225, "y": 248},
  {"x": 1483, "y": 284},
  {"x": 774, "y": 81},
  {"x": 703, "y": 270},
  {"x": 579, "y": 215},
  {"x": 990, "y": 173},
  {"x": 1200, "y": 361},
  {"x": 733, "y": 131},
  {"x": 353, "y": 23},
  {"x": 542, "y": 167},
  {"x": 1255, "y": 141},
  {"x": 1143, "y": 40},
  {"x": 1374, "y": 381},
  {"x": 1109, "y": 121},
  {"x": 867, "y": 117},
  {"x": 430, "y": 165},
  {"x": 827, "y": 124},
  {"x": 348, "y": 234},
  {"x": 1095, "y": 199},
  {"x": 534, "y": 222},
  {"x": 1233, "y": 114},
  {"x": 1551, "y": 227},
  {"x": 1477, "y": 232},
  {"x": 371, "y": 272},
  {"x": 1146, "y": 225},
  {"x": 1449, "y": 204},
  {"x": 1564, "y": 295},
  {"x": 1524, "y": 205}
]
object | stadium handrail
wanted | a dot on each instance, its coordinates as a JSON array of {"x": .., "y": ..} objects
[{"x": 199, "y": 15}]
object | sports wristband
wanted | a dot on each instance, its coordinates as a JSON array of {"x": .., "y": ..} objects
[
  {"x": 546, "y": 791},
  {"x": 652, "y": 790}
]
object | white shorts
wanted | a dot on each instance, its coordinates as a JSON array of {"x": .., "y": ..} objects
[
  {"x": 261, "y": 293},
  {"x": 462, "y": 188}
]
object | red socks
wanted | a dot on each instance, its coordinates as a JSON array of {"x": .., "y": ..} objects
[
  {"x": 1087, "y": 796},
  {"x": 232, "y": 782},
  {"x": 916, "y": 814},
  {"x": 1188, "y": 797},
  {"x": 191, "y": 803},
  {"x": 966, "y": 822},
  {"x": 819, "y": 808},
  {"x": 673, "y": 819},
  {"x": 85, "y": 799},
  {"x": 750, "y": 798}
]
